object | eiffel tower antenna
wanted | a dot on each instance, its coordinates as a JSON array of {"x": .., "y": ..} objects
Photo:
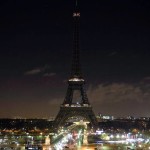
[{"x": 76, "y": 67}]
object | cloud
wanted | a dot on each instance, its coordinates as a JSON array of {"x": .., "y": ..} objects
[
  {"x": 45, "y": 71},
  {"x": 33, "y": 71},
  {"x": 117, "y": 92},
  {"x": 120, "y": 99}
]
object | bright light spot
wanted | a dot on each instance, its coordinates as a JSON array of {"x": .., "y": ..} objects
[
  {"x": 99, "y": 132},
  {"x": 140, "y": 145},
  {"x": 76, "y": 14},
  {"x": 76, "y": 79}
]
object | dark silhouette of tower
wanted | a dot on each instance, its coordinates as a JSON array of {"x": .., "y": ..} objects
[{"x": 76, "y": 83}]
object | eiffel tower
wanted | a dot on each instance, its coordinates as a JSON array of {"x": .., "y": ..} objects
[{"x": 76, "y": 83}]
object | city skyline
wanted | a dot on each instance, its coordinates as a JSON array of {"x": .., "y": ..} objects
[{"x": 36, "y": 49}]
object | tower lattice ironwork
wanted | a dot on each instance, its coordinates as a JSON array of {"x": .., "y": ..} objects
[{"x": 76, "y": 82}]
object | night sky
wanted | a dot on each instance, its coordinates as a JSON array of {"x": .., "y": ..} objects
[{"x": 36, "y": 40}]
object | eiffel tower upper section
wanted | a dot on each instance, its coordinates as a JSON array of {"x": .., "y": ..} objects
[
  {"x": 76, "y": 81},
  {"x": 76, "y": 74}
]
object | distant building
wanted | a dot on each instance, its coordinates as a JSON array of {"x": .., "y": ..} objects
[{"x": 105, "y": 117}]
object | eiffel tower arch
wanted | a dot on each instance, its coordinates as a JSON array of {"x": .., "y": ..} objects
[{"x": 75, "y": 105}]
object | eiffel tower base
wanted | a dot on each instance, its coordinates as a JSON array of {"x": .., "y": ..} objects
[{"x": 66, "y": 112}]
